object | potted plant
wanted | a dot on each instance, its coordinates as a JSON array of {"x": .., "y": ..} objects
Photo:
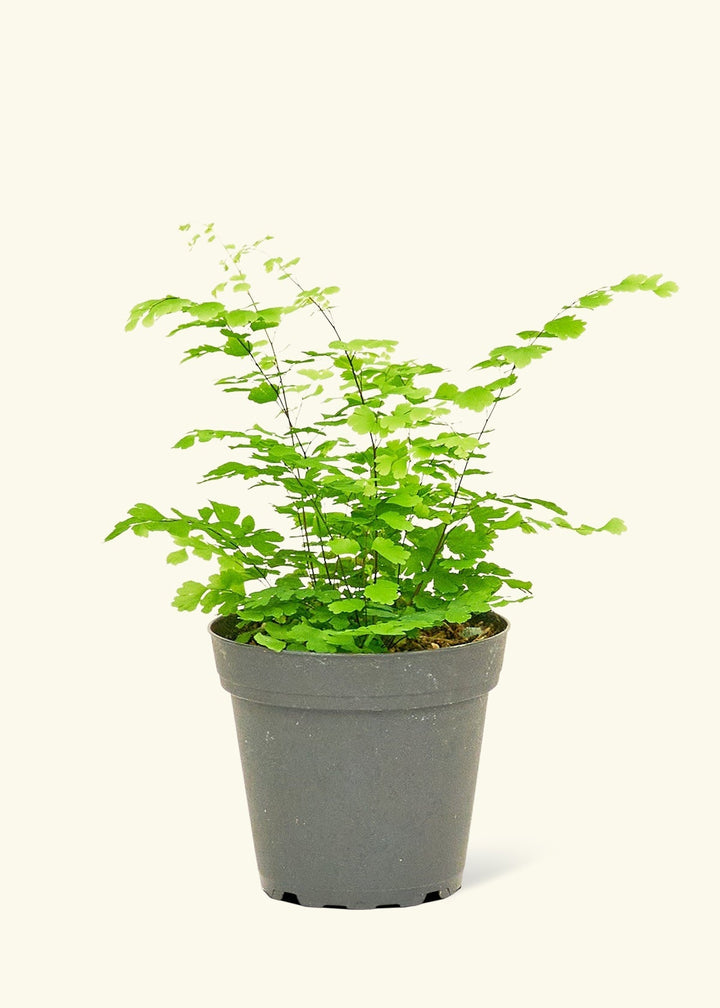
[{"x": 360, "y": 638}]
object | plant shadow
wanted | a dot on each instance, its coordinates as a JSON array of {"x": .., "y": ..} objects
[{"x": 484, "y": 865}]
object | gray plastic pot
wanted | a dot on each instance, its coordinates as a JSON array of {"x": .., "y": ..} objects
[{"x": 360, "y": 769}]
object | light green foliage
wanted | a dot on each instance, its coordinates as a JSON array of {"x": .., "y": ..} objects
[
  {"x": 382, "y": 590},
  {"x": 390, "y": 550},
  {"x": 386, "y": 516}
]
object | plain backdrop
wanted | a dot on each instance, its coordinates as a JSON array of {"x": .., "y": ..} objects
[{"x": 460, "y": 170}]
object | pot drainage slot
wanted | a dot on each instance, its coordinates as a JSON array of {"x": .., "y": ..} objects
[
  {"x": 386, "y": 906},
  {"x": 334, "y": 906},
  {"x": 290, "y": 897},
  {"x": 432, "y": 896}
]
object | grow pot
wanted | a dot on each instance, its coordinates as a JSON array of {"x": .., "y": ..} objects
[{"x": 359, "y": 769}]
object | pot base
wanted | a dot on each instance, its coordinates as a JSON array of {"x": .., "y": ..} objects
[{"x": 364, "y": 901}]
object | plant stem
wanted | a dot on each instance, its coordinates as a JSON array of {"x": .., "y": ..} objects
[
  {"x": 281, "y": 392},
  {"x": 358, "y": 385},
  {"x": 446, "y": 525}
]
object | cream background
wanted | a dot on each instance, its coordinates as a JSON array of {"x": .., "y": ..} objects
[{"x": 460, "y": 170}]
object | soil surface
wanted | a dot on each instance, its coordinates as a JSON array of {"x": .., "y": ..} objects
[
  {"x": 446, "y": 635},
  {"x": 449, "y": 634}
]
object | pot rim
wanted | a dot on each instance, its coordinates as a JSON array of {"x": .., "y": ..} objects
[{"x": 360, "y": 680}]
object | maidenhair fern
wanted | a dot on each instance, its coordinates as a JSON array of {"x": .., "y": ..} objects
[{"x": 387, "y": 513}]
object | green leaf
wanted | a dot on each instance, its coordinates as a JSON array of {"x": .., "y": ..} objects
[
  {"x": 447, "y": 391},
  {"x": 651, "y": 282},
  {"x": 240, "y": 317},
  {"x": 167, "y": 306},
  {"x": 640, "y": 281},
  {"x": 363, "y": 421},
  {"x": 631, "y": 283},
  {"x": 346, "y": 605},
  {"x": 265, "y": 541},
  {"x": 468, "y": 543},
  {"x": 391, "y": 551},
  {"x": 406, "y": 499},
  {"x": 270, "y": 642},
  {"x": 267, "y": 318},
  {"x": 178, "y": 557},
  {"x": 318, "y": 640},
  {"x": 133, "y": 319},
  {"x": 261, "y": 323},
  {"x": 228, "y": 469},
  {"x": 149, "y": 311},
  {"x": 145, "y": 512},
  {"x": 615, "y": 526},
  {"x": 264, "y": 393},
  {"x": 543, "y": 503},
  {"x": 395, "y": 520},
  {"x": 315, "y": 374},
  {"x": 206, "y": 310},
  {"x": 461, "y": 609},
  {"x": 344, "y": 547},
  {"x": 227, "y": 514},
  {"x": 383, "y": 591},
  {"x": 515, "y": 520},
  {"x": 235, "y": 346},
  {"x": 121, "y": 527},
  {"x": 202, "y": 549},
  {"x": 500, "y": 383},
  {"x": 520, "y": 356},
  {"x": 595, "y": 300},
  {"x": 200, "y": 351},
  {"x": 353, "y": 346},
  {"x": 188, "y": 596},
  {"x": 477, "y": 398},
  {"x": 565, "y": 327}
]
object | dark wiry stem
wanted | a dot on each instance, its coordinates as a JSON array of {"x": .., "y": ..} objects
[
  {"x": 281, "y": 392},
  {"x": 358, "y": 385},
  {"x": 443, "y": 531}
]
